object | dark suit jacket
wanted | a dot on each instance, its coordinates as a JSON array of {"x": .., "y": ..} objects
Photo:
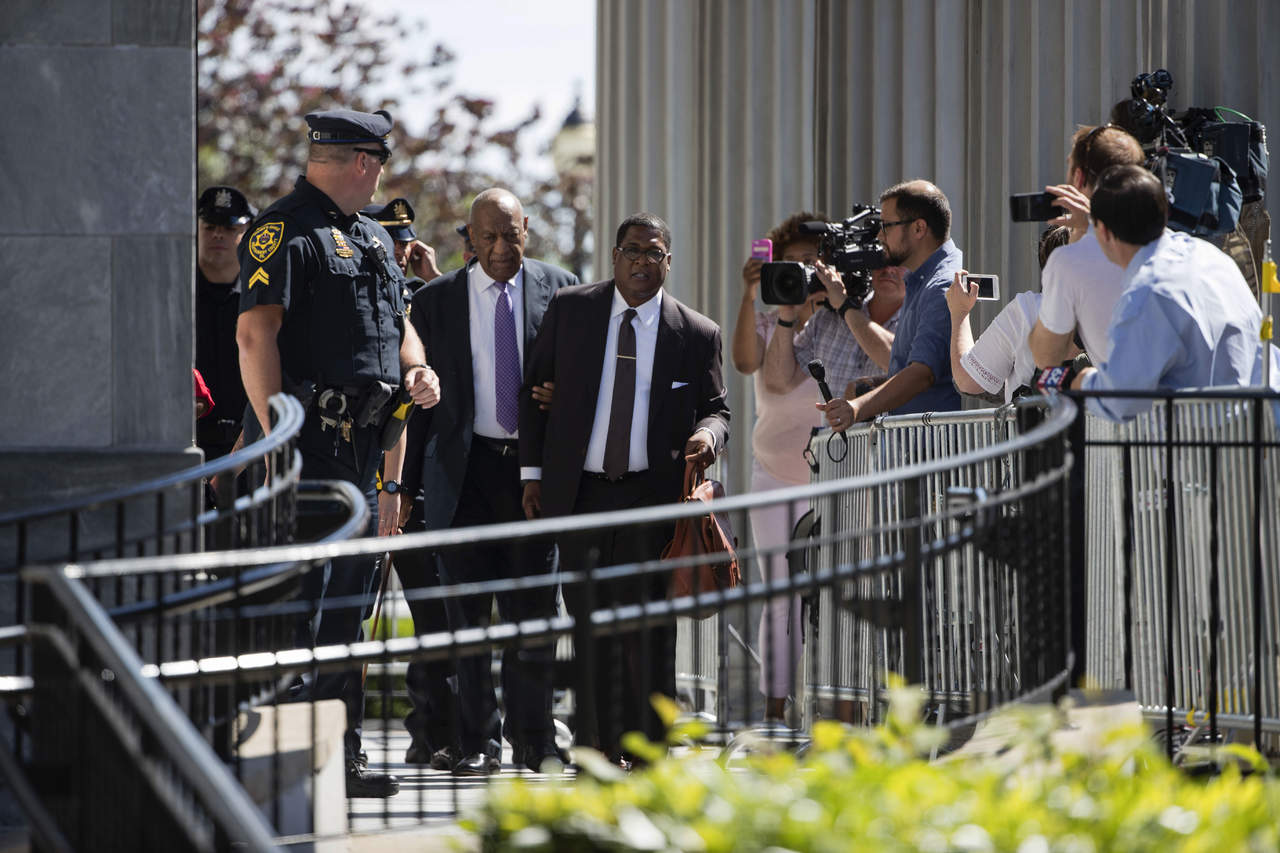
[
  {"x": 569, "y": 350},
  {"x": 439, "y": 441}
]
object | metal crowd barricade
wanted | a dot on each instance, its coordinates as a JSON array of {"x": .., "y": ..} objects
[
  {"x": 968, "y": 617},
  {"x": 1183, "y": 605}
]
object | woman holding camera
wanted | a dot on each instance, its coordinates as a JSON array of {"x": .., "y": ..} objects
[{"x": 781, "y": 433}]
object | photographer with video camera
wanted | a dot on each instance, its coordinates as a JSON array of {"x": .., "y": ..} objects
[
  {"x": 1186, "y": 318},
  {"x": 1079, "y": 286},
  {"x": 871, "y": 304},
  {"x": 915, "y": 228},
  {"x": 784, "y": 421}
]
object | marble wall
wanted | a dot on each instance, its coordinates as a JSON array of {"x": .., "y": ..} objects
[{"x": 97, "y": 198}]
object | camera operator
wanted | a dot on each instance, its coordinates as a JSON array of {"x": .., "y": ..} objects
[
  {"x": 915, "y": 229},
  {"x": 1079, "y": 286},
  {"x": 1186, "y": 318},
  {"x": 850, "y": 358}
]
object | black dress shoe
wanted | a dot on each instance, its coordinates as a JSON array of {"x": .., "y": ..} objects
[
  {"x": 535, "y": 758},
  {"x": 417, "y": 753},
  {"x": 444, "y": 758},
  {"x": 363, "y": 782},
  {"x": 477, "y": 764}
]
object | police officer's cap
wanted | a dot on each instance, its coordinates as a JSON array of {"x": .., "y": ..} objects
[
  {"x": 396, "y": 216},
  {"x": 224, "y": 206},
  {"x": 348, "y": 127}
]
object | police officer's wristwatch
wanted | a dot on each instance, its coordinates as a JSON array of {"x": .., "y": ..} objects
[{"x": 391, "y": 487}]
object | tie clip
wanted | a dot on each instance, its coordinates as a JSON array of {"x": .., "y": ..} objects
[{"x": 632, "y": 357}]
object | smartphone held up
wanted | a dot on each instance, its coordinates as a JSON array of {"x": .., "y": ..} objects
[{"x": 988, "y": 285}]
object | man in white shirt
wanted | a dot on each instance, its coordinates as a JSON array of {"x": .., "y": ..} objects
[
  {"x": 1079, "y": 286},
  {"x": 478, "y": 325}
]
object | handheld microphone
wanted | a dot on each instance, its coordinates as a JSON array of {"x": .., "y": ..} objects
[{"x": 819, "y": 372}]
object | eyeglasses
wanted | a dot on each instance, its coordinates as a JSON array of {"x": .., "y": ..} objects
[
  {"x": 383, "y": 156},
  {"x": 885, "y": 226},
  {"x": 653, "y": 256}
]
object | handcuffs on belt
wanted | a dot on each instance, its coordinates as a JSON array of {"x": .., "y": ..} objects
[{"x": 337, "y": 411}]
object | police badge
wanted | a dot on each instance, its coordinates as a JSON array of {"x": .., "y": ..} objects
[{"x": 265, "y": 240}]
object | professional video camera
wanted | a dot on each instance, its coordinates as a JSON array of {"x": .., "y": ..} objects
[
  {"x": 1209, "y": 166},
  {"x": 850, "y": 247}
]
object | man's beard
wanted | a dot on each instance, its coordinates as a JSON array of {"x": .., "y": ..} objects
[{"x": 896, "y": 258}]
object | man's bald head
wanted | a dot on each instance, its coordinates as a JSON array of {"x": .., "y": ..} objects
[
  {"x": 497, "y": 197},
  {"x": 498, "y": 229}
]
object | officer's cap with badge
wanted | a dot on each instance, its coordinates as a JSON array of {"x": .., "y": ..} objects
[
  {"x": 396, "y": 216},
  {"x": 225, "y": 206},
  {"x": 350, "y": 127}
]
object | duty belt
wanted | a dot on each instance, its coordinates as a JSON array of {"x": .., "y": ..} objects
[{"x": 344, "y": 407}]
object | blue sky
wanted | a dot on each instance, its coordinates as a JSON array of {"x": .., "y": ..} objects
[{"x": 516, "y": 52}]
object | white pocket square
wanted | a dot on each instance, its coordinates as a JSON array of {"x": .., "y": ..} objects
[{"x": 675, "y": 385}]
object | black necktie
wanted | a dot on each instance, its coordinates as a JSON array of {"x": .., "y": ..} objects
[{"x": 617, "y": 446}]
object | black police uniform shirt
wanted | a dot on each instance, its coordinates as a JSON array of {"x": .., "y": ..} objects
[
  {"x": 336, "y": 278},
  {"x": 218, "y": 359}
]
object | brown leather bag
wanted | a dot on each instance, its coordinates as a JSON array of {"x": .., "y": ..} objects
[{"x": 710, "y": 534}]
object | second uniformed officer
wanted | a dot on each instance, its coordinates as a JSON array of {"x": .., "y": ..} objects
[
  {"x": 414, "y": 256},
  {"x": 323, "y": 316},
  {"x": 223, "y": 214}
]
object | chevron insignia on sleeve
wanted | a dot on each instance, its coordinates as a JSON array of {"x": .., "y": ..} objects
[{"x": 259, "y": 277}]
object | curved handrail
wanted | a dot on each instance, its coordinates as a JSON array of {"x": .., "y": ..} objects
[
  {"x": 260, "y": 578},
  {"x": 288, "y": 413},
  {"x": 1062, "y": 412}
]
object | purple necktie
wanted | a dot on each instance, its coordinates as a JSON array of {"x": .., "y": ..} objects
[{"x": 506, "y": 362}]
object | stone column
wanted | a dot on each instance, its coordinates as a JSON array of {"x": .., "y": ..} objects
[{"x": 97, "y": 202}]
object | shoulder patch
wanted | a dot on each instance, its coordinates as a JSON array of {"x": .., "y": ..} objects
[{"x": 265, "y": 240}]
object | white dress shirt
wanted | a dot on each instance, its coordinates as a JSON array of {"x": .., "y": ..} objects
[
  {"x": 646, "y": 325},
  {"x": 482, "y": 299}
]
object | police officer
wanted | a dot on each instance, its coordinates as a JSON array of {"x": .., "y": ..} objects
[
  {"x": 414, "y": 256},
  {"x": 223, "y": 215},
  {"x": 323, "y": 316}
]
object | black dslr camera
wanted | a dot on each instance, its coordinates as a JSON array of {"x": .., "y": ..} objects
[{"x": 850, "y": 247}]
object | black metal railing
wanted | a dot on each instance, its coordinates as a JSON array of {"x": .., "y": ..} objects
[
  {"x": 90, "y": 745},
  {"x": 1175, "y": 556},
  {"x": 986, "y": 557},
  {"x": 228, "y": 660}
]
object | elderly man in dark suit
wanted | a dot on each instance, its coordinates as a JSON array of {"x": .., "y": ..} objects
[
  {"x": 476, "y": 324},
  {"x": 638, "y": 392}
]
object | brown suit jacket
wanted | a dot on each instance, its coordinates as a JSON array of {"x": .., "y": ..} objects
[{"x": 569, "y": 350}]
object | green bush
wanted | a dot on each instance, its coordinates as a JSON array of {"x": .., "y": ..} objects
[{"x": 874, "y": 789}]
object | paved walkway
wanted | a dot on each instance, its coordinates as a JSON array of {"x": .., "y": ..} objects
[{"x": 429, "y": 801}]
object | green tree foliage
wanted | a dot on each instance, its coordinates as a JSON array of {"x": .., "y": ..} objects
[
  {"x": 874, "y": 789},
  {"x": 263, "y": 64}
]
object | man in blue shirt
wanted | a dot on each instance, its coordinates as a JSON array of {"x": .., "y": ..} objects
[
  {"x": 1186, "y": 317},
  {"x": 916, "y": 231}
]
